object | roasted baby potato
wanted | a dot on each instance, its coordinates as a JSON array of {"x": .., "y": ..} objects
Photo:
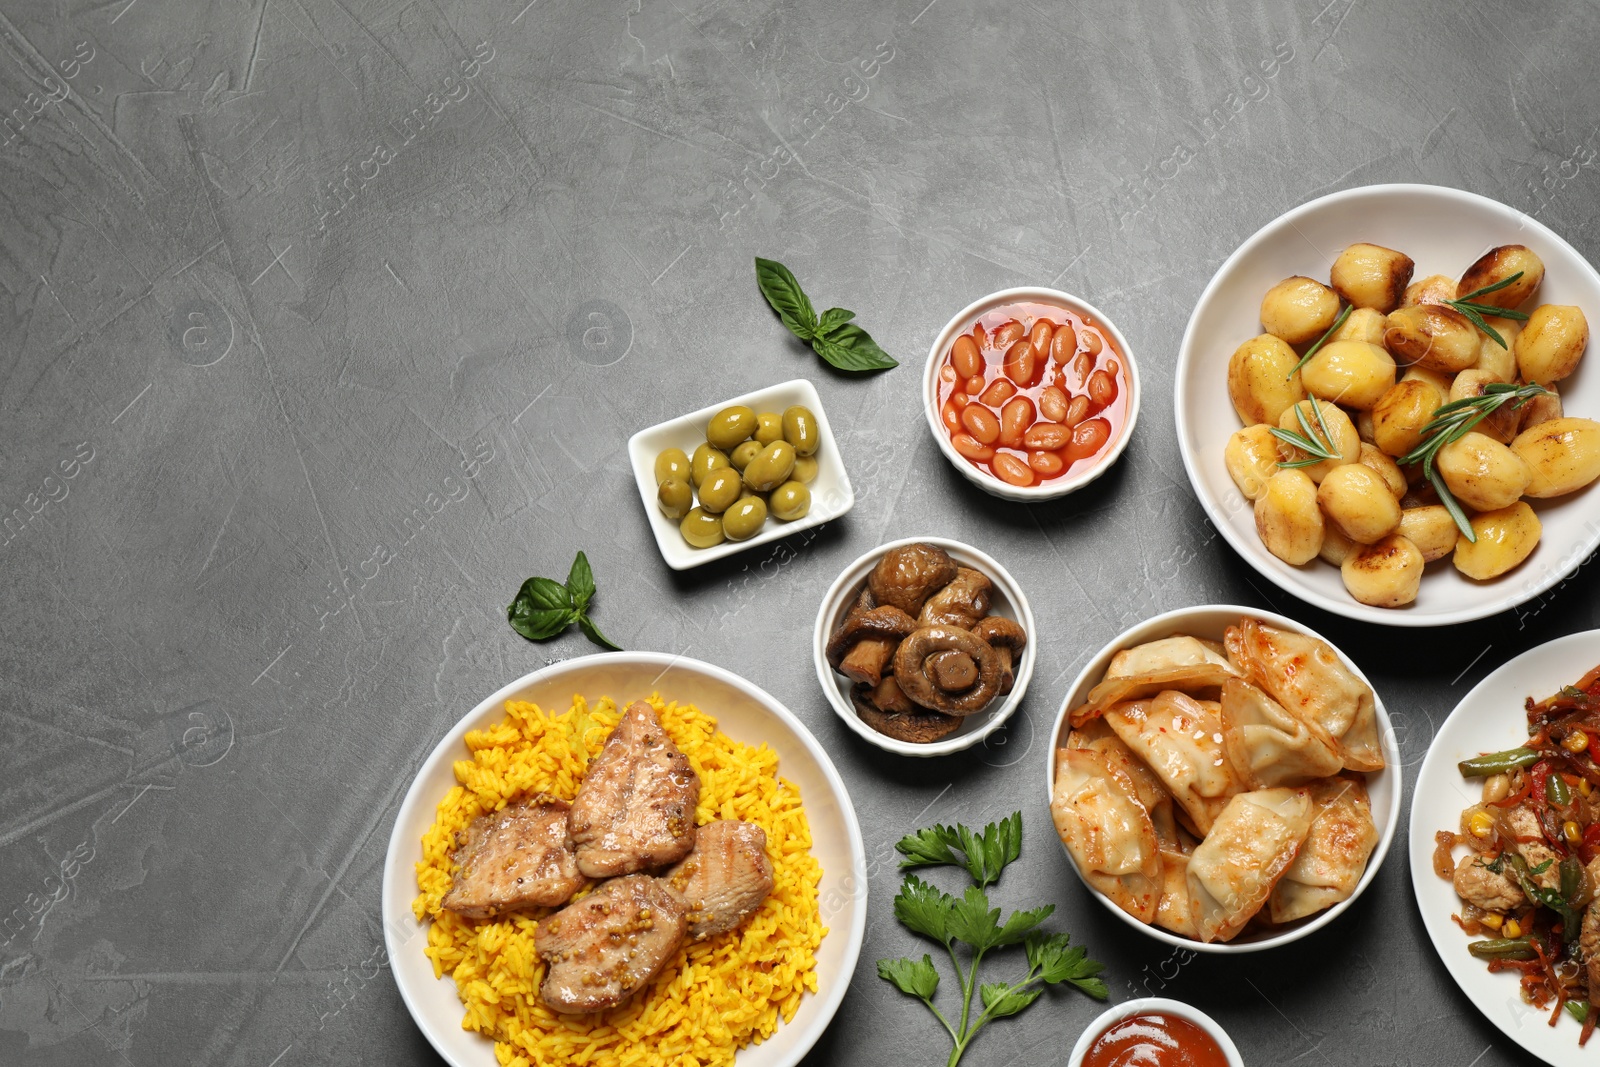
[
  {"x": 1352, "y": 373},
  {"x": 1298, "y": 310},
  {"x": 1540, "y": 409},
  {"x": 1551, "y": 343},
  {"x": 1371, "y": 276},
  {"x": 1345, "y": 442},
  {"x": 1251, "y": 457},
  {"x": 1386, "y": 574},
  {"x": 1563, "y": 454},
  {"x": 1494, "y": 359},
  {"x": 1505, "y": 537},
  {"x": 1503, "y": 422},
  {"x": 1434, "y": 289},
  {"x": 1385, "y": 468},
  {"x": 1335, "y": 545},
  {"x": 1481, "y": 472},
  {"x": 1402, "y": 412},
  {"x": 1431, "y": 529},
  {"x": 1357, "y": 500},
  {"x": 1496, "y": 265},
  {"x": 1288, "y": 519},
  {"x": 1259, "y": 380},
  {"x": 1362, "y": 324},
  {"x": 1432, "y": 335}
]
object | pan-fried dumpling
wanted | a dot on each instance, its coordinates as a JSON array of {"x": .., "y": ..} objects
[
  {"x": 1098, "y": 736},
  {"x": 1180, "y": 739},
  {"x": 1204, "y": 673},
  {"x": 1335, "y": 853},
  {"x": 1177, "y": 651},
  {"x": 1107, "y": 831},
  {"x": 1268, "y": 746},
  {"x": 1313, "y": 684},
  {"x": 1173, "y": 912},
  {"x": 1232, "y": 872}
]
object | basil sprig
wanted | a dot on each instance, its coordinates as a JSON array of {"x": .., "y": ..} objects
[
  {"x": 832, "y": 335},
  {"x": 544, "y": 607}
]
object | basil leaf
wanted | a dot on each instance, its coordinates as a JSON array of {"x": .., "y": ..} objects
[
  {"x": 543, "y": 608},
  {"x": 580, "y": 582},
  {"x": 851, "y": 348},
  {"x": 783, "y": 292},
  {"x": 832, "y": 319},
  {"x": 592, "y": 632}
]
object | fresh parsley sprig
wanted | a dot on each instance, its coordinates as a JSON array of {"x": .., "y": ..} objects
[
  {"x": 832, "y": 335},
  {"x": 1454, "y": 421},
  {"x": 1316, "y": 449},
  {"x": 1329, "y": 332},
  {"x": 1475, "y": 312},
  {"x": 969, "y": 920},
  {"x": 544, "y": 607}
]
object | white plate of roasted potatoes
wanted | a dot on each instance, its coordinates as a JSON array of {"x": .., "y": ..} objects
[{"x": 1383, "y": 404}]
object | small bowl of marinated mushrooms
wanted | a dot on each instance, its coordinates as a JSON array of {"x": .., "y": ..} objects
[
  {"x": 739, "y": 473},
  {"x": 924, "y": 646}
]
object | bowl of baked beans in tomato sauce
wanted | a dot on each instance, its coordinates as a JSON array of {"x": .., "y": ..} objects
[
  {"x": 1154, "y": 1032},
  {"x": 1031, "y": 393}
]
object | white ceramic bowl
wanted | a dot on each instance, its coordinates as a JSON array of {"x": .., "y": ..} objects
[
  {"x": 743, "y": 712},
  {"x": 831, "y": 494},
  {"x": 1154, "y": 1006},
  {"x": 963, "y": 320},
  {"x": 1490, "y": 719},
  {"x": 1008, "y": 600},
  {"x": 1443, "y": 230},
  {"x": 1210, "y": 621}
]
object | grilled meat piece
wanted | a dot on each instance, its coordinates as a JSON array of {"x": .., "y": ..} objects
[
  {"x": 635, "y": 808},
  {"x": 517, "y": 857},
  {"x": 606, "y": 947},
  {"x": 726, "y": 877}
]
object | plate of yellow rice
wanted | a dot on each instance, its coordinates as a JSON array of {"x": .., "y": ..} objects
[{"x": 758, "y": 996}]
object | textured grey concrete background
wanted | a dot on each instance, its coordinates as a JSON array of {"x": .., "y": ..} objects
[{"x": 326, "y": 322}]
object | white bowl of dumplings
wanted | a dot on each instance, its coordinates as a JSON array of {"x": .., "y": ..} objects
[{"x": 1224, "y": 779}]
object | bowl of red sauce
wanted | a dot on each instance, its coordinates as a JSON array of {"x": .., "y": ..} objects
[
  {"x": 1031, "y": 393},
  {"x": 1154, "y": 1032}
]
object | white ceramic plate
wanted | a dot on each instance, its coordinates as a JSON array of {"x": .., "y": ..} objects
[
  {"x": 963, "y": 320},
  {"x": 1443, "y": 230},
  {"x": 1210, "y": 621},
  {"x": 1008, "y": 600},
  {"x": 1490, "y": 719},
  {"x": 831, "y": 494},
  {"x": 743, "y": 712}
]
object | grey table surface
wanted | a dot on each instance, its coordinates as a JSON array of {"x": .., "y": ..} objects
[{"x": 288, "y": 280}]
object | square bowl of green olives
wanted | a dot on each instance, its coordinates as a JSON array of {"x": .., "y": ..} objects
[{"x": 740, "y": 473}]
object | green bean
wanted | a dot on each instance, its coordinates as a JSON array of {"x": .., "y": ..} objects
[
  {"x": 1498, "y": 762},
  {"x": 1503, "y": 948},
  {"x": 1556, "y": 791}
]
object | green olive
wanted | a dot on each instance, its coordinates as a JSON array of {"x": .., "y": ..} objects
[
  {"x": 790, "y": 501},
  {"x": 771, "y": 468},
  {"x": 675, "y": 498},
  {"x": 706, "y": 459},
  {"x": 672, "y": 463},
  {"x": 800, "y": 430},
  {"x": 805, "y": 469},
  {"x": 741, "y": 456},
  {"x": 769, "y": 427},
  {"x": 700, "y": 529},
  {"x": 745, "y": 518},
  {"x": 720, "y": 489},
  {"x": 730, "y": 426}
]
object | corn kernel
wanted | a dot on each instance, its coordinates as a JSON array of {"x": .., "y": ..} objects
[
  {"x": 1584, "y": 788},
  {"x": 1481, "y": 824},
  {"x": 1493, "y": 920},
  {"x": 1570, "y": 831},
  {"x": 1512, "y": 928},
  {"x": 1576, "y": 741}
]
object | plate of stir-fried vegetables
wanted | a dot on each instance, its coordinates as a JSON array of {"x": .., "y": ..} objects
[{"x": 1505, "y": 847}]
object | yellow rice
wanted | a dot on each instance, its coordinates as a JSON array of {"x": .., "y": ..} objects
[{"x": 716, "y": 996}]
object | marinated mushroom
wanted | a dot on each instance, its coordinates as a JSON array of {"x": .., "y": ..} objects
[
  {"x": 959, "y": 684},
  {"x": 961, "y": 603},
  {"x": 863, "y": 644},
  {"x": 908, "y": 575},
  {"x": 919, "y": 726},
  {"x": 1008, "y": 640}
]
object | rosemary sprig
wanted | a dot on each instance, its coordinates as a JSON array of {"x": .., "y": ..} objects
[
  {"x": 1474, "y": 312},
  {"x": 1317, "y": 450},
  {"x": 1338, "y": 322},
  {"x": 1454, "y": 421}
]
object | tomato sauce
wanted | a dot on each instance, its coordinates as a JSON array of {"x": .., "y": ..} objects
[
  {"x": 1154, "y": 1040},
  {"x": 1033, "y": 392}
]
